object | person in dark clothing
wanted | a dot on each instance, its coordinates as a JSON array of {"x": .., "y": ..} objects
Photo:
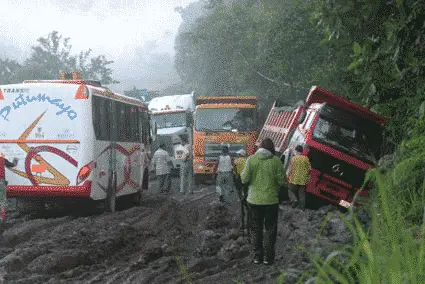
[
  {"x": 264, "y": 175},
  {"x": 3, "y": 199},
  {"x": 9, "y": 164}
]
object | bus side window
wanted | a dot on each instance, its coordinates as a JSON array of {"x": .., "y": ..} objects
[
  {"x": 134, "y": 124},
  {"x": 122, "y": 124},
  {"x": 96, "y": 114},
  {"x": 100, "y": 118},
  {"x": 145, "y": 127},
  {"x": 128, "y": 136},
  {"x": 105, "y": 124}
]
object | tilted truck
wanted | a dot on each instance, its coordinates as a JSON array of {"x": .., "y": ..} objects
[
  {"x": 342, "y": 140},
  {"x": 232, "y": 120},
  {"x": 173, "y": 118}
]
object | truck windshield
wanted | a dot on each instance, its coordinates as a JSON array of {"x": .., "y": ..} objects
[
  {"x": 358, "y": 142},
  {"x": 165, "y": 120},
  {"x": 225, "y": 119}
]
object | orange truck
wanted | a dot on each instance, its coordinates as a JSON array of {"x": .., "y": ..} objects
[
  {"x": 233, "y": 120},
  {"x": 342, "y": 140}
]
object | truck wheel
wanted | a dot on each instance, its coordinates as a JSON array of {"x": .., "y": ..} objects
[
  {"x": 313, "y": 202},
  {"x": 198, "y": 179}
]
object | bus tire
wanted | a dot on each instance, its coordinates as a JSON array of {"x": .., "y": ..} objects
[
  {"x": 26, "y": 206},
  {"x": 137, "y": 198},
  {"x": 145, "y": 182}
]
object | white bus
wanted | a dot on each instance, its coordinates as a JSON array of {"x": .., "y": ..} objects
[{"x": 73, "y": 139}]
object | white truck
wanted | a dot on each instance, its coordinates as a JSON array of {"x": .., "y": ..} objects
[{"x": 173, "y": 116}]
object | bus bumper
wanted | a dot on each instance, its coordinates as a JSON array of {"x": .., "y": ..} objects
[{"x": 83, "y": 190}]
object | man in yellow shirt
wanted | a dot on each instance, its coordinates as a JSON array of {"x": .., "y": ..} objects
[
  {"x": 242, "y": 189},
  {"x": 298, "y": 176},
  {"x": 239, "y": 165}
]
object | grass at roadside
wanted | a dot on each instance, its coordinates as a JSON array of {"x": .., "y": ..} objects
[{"x": 390, "y": 251}]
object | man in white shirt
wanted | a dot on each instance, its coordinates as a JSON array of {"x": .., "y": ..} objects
[
  {"x": 186, "y": 169},
  {"x": 162, "y": 163}
]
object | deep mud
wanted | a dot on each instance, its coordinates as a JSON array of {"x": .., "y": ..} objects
[{"x": 166, "y": 240}]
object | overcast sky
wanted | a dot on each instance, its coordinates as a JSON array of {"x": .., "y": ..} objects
[{"x": 125, "y": 31}]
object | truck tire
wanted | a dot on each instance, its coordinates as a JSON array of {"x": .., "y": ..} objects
[{"x": 198, "y": 179}]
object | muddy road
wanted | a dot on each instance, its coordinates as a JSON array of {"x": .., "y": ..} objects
[{"x": 169, "y": 239}]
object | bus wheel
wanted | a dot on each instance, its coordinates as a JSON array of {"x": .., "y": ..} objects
[
  {"x": 137, "y": 198},
  {"x": 145, "y": 183},
  {"x": 26, "y": 206}
]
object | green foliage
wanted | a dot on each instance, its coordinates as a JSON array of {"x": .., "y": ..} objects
[
  {"x": 388, "y": 253},
  {"x": 53, "y": 55},
  {"x": 268, "y": 48},
  {"x": 387, "y": 62}
]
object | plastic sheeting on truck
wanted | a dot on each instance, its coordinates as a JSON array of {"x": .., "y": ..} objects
[{"x": 174, "y": 102}]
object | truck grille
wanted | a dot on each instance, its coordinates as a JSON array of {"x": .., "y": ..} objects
[
  {"x": 328, "y": 165},
  {"x": 213, "y": 150}
]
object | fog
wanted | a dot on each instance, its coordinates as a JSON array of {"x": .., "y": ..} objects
[{"x": 137, "y": 35}]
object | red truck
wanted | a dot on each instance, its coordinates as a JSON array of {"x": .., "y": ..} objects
[{"x": 342, "y": 140}]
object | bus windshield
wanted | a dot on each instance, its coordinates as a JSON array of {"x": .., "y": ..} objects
[
  {"x": 225, "y": 119},
  {"x": 165, "y": 120}
]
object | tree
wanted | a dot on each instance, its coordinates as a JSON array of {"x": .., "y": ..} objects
[
  {"x": 8, "y": 69},
  {"x": 53, "y": 55},
  {"x": 141, "y": 94},
  {"x": 386, "y": 54},
  {"x": 263, "y": 47}
]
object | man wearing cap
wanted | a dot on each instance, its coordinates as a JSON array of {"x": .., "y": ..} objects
[
  {"x": 298, "y": 176},
  {"x": 186, "y": 169},
  {"x": 242, "y": 189},
  {"x": 224, "y": 170},
  {"x": 238, "y": 168}
]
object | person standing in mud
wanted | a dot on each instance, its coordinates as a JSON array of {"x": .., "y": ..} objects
[
  {"x": 264, "y": 175},
  {"x": 298, "y": 176},
  {"x": 162, "y": 162},
  {"x": 3, "y": 199},
  {"x": 242, "y": 189},
  {"x": 224, "y": 171},
  {"x": 239, "y": 165},
  {"x": 186, "y": 169}
]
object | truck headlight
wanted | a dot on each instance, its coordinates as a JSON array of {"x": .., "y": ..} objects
[{"x": 199, "y": 166}]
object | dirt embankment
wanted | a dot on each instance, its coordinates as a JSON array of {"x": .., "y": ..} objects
[{"x": 163, "y": 241}]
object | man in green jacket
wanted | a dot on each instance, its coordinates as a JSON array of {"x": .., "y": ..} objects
[{"x": 264, "y": 175}]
